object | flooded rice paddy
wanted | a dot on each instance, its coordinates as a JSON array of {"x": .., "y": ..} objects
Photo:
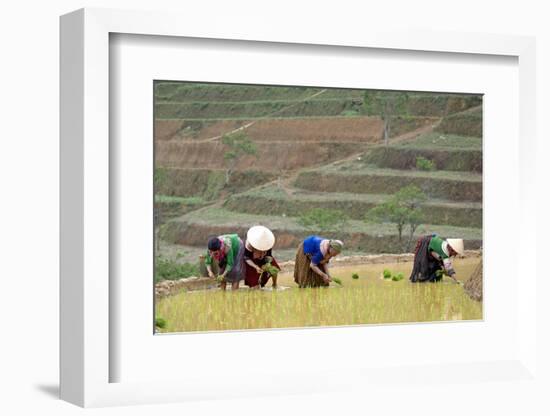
[{"x": 370, "y": 299}]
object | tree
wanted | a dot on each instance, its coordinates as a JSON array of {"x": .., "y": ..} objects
[
  {"x": 322, "y": 219},
  {"x": 402, "y": 209},
  {"x": 385, "y": 104},
  {"x": 239, "y": 144}
]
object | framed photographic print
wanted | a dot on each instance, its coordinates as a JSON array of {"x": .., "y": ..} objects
[
  {"x": 247, "y": 178},
  {"x": 229, "y": 201}
]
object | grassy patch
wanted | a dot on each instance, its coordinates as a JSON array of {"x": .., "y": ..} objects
[{"x": 168, "y": 199}]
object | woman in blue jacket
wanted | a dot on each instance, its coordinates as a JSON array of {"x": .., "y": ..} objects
[{"x": 312, "y": 258}]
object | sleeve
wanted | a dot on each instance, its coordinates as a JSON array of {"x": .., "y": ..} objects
[
  {"x": 448, "y": 265},
  {"x": 208, "y": 258},
  {"x": 231, "y": 255},
  {"x": 317, "y": 257}
]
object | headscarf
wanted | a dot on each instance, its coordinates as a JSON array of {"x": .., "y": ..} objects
[
  {"x": 336, "y": 245},
  {"x": 216, "y": 244}
]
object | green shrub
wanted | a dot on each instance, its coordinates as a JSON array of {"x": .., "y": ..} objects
[{"x": 424, "y": 164}]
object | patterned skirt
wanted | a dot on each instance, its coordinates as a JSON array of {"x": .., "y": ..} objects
[
  {"x": 303, "y": 275},
  {"x": 237, "y": 272}
]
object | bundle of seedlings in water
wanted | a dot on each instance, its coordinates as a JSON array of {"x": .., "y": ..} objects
[
  {"x": 355, "y": 276},
  {"x": 397, "y": 277},
  {"x": 160, "y": 323},
  {"x": 387, "y": 274}
]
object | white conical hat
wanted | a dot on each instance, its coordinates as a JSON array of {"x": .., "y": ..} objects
[
  {"x": 457, "y": 244},
  {"x": 260, "y": 237}
]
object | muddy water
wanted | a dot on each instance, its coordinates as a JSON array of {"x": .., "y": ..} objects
[{"x": 371, "y": 273}]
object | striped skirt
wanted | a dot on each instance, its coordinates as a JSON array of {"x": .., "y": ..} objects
[{"x": 303, "y": 275}]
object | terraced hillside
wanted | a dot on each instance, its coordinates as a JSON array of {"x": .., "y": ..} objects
[{"x": 313, "y": 148}]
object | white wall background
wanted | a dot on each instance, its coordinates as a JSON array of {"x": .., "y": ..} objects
[{"x": 29, "y": 116}]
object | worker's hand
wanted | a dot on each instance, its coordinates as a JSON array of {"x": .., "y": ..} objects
[
  {"x": 327, "y": 279},
  {"x": 259, "y": 270},
  {"x": 211, "y": 274}
]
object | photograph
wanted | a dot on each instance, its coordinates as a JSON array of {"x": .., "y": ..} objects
[{"x": 292, "y": 206}]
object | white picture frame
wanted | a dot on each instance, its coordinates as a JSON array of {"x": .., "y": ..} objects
[{"x": 86, "y": 356}]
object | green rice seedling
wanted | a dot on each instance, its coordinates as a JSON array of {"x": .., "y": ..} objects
[
  {"x": 269, "y": 268},
  {"x": 355, "y": 276},
  {"x": 387, "y": 274},
  {"x": 397, "y": 277},
  {"x": 337, "y": 281},
  {"x": 160, "y": 322}
]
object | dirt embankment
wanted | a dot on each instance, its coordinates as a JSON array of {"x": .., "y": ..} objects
[
  {"x": 334, "y": 129},
  {"x": 271, "y": 157},
  {"x": 467, "y": 123},
  {"x": 439, "y": 188},
  {"x": 447, "y": 214},
  {"x": 441, "y": 105},
  {"x": 209, "y": 184},
  {"x": 177, "y": 129},
  {"x": 405, "y": 158}
]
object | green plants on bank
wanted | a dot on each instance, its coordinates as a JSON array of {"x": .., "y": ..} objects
[{"x": 167, "y": 269}]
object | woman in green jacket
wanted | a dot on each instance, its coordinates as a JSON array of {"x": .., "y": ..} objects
[
  {"x": 432, "y": 258},
  {"x": 228, "y": 252}
]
